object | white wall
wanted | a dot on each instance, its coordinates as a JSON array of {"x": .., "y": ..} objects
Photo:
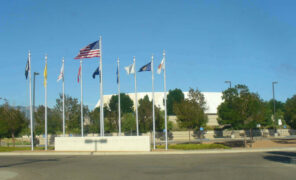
[{"x": 113, "y": 143}]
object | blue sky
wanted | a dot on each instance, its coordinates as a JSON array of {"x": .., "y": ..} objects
[{"x": 207, "y": 42}]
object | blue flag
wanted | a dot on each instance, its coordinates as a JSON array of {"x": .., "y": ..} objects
[
  {"x": 97, "y": 72},
  {"x": 27, "y": 69},
  {"x": 147, "y": 67}
]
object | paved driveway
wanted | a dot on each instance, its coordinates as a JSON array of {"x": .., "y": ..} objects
[{"x": 273, "y": 165}]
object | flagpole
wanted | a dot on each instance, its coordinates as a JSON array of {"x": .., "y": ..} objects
[
  {"x": 136, "y": 98},
  {"x": 153, "y": 111},
  {"x": 165, "y": 103},
  {"x": 101, "y": 91},
  {"x": 63, "y": 98},
  {"x": 45, "y": 86},
  {"x": 119, "y": 113},
  {"x": 31, "y": 108},
  {"x": 81, "y": 104}
]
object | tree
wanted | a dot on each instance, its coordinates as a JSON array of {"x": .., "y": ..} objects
[
  {"x": 126, "y": 104},
  {"x": 13, "y": 121},
  {"x": 190, "y": 115},
  {"x": 290, "y": 111},
  {"x": 94, "y": 126},
  {"x": 145, "y": 116},
  {"x": 72, "y": 113},
  {"x": 111, "y": 120},
  {"x": 128, "y": 123},
  {"x": 3, "y": 124},
  {"x": 198, "y": 97},
  {"x": 54, "y": 121},
  {"x": 279, "y": 111},
  {"x": 173, "y": 97},
  {"x": 279, "y": 106},
  {"x": 191, "y": 112},
  {"x": 268, "y": 113},
  {"x": 242, "y": 109}
]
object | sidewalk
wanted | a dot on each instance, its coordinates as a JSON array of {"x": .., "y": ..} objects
[{"x": 157, "y": 152}]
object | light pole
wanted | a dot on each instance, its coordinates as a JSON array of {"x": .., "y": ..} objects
[
  {"x": 273, "y": 83},
  {"x": 35, "y": 74},
  {"x": 229, "y": 83}
]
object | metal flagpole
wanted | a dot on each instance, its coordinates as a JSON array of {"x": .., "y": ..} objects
[
  {"x": 45, "y": 86},
  {"x": 101, "y": 91},
  {"x": 136, "y": 98},
  {"x": 119, "y": 114},
  {"x": 81, "y": 99},
  {"x": 63, "y": 98},
  {"x": 34, "y": 83},
  {"x": 31, "y": 109},
  {"x": 153, "y": 111},
  {"x": 165, "y": 103}
]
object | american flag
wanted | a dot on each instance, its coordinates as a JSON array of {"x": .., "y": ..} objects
[{"x": 90, "y": 51}]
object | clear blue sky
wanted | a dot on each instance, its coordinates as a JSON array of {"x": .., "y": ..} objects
[{"x": 207, "y": 42}]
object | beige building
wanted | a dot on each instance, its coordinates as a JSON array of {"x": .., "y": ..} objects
[{"x": 213, "y": 100}]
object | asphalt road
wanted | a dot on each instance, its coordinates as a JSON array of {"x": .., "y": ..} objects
[{"x": 273, "y": 165}]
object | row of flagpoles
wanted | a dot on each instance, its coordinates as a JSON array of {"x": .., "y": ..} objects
[{"x": 90, "y": 51}]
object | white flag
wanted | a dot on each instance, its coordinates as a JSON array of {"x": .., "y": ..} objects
[
  {"x": 130, "y": 69},
  {"x": 61, "y": 73},
  {"x": 161, "y": 66}
]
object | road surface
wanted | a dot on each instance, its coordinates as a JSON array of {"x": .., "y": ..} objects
[{"x": 272, "y": 165}]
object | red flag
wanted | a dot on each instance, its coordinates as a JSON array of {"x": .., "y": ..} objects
[{"x": 79, "y": 71}]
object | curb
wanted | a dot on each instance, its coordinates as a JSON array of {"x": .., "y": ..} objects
[{"x": 170, "y": 152}]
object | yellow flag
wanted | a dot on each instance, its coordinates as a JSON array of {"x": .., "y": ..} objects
[{"x": 45, "y": 75}]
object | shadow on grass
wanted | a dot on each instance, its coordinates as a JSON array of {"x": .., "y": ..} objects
[
  {"x": 282, "y": 157},
  {"x": 233, "y": 144}
]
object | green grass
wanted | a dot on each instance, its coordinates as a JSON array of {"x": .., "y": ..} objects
[
  {"x": 194, "y": 146},
  {"x": 19, "y": 143},
  {"x": 10, "y": 149},
  {"x": 9, "y": 141}
]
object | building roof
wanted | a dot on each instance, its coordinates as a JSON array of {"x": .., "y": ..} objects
[{"x": 213, "y": 99}]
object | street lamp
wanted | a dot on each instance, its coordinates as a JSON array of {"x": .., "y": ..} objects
[
  {"x": 273, "y": 83},
  {"x": 229, "y": 83}
]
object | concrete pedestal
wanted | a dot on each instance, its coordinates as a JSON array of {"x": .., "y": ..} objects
[{"x": 109, "y": 143}]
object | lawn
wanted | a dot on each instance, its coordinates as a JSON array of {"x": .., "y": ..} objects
[
  {"x": 10, "y": 149},
  {"x": 194, "y": 146},
  {"x": 8, "y": 141}
]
